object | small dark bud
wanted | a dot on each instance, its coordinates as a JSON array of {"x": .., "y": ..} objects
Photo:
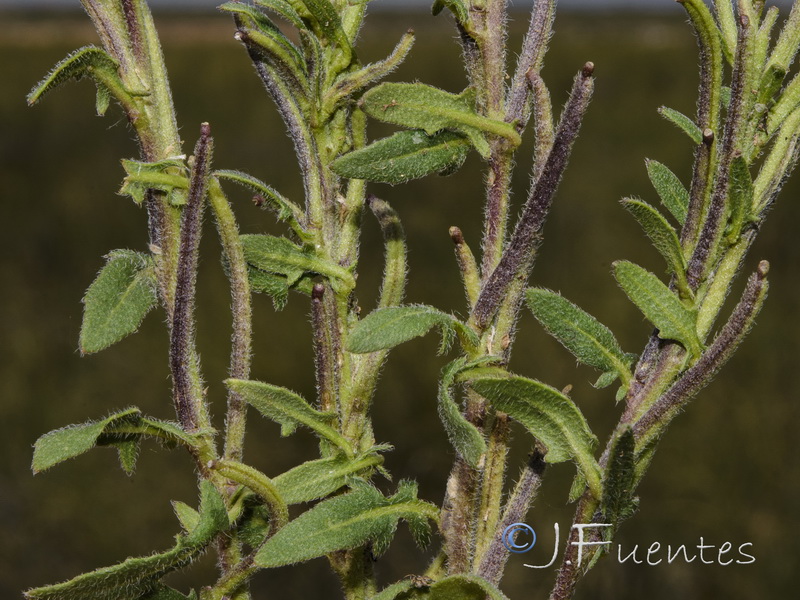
[
  {"x": 205, "y": 129},
  {"x": 763, "y": 268},
  {"x": 708, "y": 137},
  {"x": 318, "y": 291},
  {"x": 588, "y": 69},
  {"x": 456, "y": 235}
]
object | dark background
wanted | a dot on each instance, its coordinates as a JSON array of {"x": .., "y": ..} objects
[{"x": 727, "y": 471}]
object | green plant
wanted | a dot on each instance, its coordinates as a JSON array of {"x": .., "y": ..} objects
[{"x": 325, "y": 97}]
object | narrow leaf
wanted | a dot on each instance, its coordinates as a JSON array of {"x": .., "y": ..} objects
[
  {"x": 284, "y": 208},
  {"x": 464, "y": 587},
  {"x": 590, "y": 341},
  {"x": 659, "y": 304},
  {"x": 457, "y": 7},
  {"x": 341, "y": 523},
  {"x": 419, "y": 106},
  {"x": 62, "y": 444},
  {"x": 135, "y": 578},
  {"x": 741, "y": 197},
  {"x": 284, "y": 10},
  {"x": 326, "y": 19},
  {"x": 463, "y": 435},
  {"x": 118, "y": 300},
  {"x": 281, "y": 256},
  {"x": 319, "y": 478},
  {"x": 683, "y": 123},
  {"x": 550, "y": 416},
  {"x": 404, "y": 156},
  {"x": 288, "y": 409},
  {"x": 388, "y": 327},
  {"x": 89, "y": 61},
  {"x": 618, "y": 482},
  {"x": 664, "y": 238},
  {"x": 670, "y": 189}
]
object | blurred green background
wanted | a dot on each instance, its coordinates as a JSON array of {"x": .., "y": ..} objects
[{"x": 727, "y": 471}]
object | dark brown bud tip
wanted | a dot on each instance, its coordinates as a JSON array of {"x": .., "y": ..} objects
[
  {"x": 317, "y": 291},
  {"x": 410, "y": 31},
  {"x": 205, "y": 130},
  {"x": 456, "y": 236},
  {"x": 744, "y": 20},
  {"x": 763, "y": 269},
  {"x": 708, "y": 136},
  {"x": 588, "y": 69}
]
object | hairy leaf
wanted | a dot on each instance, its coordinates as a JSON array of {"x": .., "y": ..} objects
[
  {"x": 342, "y": 523},
  {"x": 670, "y": 189},
  {"x": 167, "y": 176},
  {"x": 284, "y": 10},
  {"x": 419, "y": 106},
  {"x": 326, "y": 20},
  {"x": 683, "y": 123},
  {"x": 550, "y": 416},
  {"x": 89, "y": 61},
  {"x": 135, "y": 578},
  {"x": 463, "y": 435},
  {"x": 388, "y": 327},
  {"x": 281, "y": 256},
  {"x": 404, "y": 156},
  {"x": 741, "y": 197},
  {"x": 464, "y": 587},
  {"x": 619, "y": 478},
  {"x": 659, "y": 304},
  {"x": 288, "y": 409},
  {"x": 457, "y": 7},
  {"x": 319, "y": 478},
  {"x": 590, "y": 341},
  {"x": 284, "y": 208},
  {"x": 118, "y": 300},
  {"x": 664, "y": 238}
]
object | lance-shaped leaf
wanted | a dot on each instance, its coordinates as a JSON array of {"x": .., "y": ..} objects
[
  {"x": 590, "y": 341},
  {"x": 741, "y": 197},
  {"x": 283, "y": 257},
  {"x": 325, "y": 20},
  {"x": 404, "y": 156},
  {"x": 277, "y": 286},
  {"x": 284, "y": 10},
  {"x": 118, "y": 300},
  {"x": 664, "y": 238},
  {"x": 670, "y": 189},
  {"x": 683, "y": 123},
  {"x": 463, "y": 435},
  {"x": 288, "y": 409},
  {"x": 319, "y": 478},
  {"x": 89, "y": 61},
  {"x": 659, "y": 304},
  {"x": 119, "y": 430},
  {"x": 345, "y": 522},
  {"x": 550, "y": 416},
  {"x": 163, "y": 592},
  {"x": 618, "y": 483},
  {"x": 388, "y": 327},
  {"x": 135, "y": 578},
  {"x": 464, "y": 587},
  {"x": 167, "y": 176},
  {"x": 420, "y": 106},
  {"x": 283, "y": 207}
]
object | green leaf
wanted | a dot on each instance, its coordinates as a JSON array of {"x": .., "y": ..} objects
[
  {"x": 550, "y": 416},
  {"x": 288, "y": 409},
  {"x": 590, "y": 341},
  {"x": 659, "y": 304},
  {"x": 275, "y": 49},
  {"x": 163, "y": 592},
  {"x": 683, "y": 123},
  {"x": 188, "y": 516},
  {"x": 457, "y": 7},
  {"x": 404, "y": 156},
  {"x": 741, "y": 197},
  {"x": 670, "y": 189},
  {"x": 388, "y": 327},
  {"x": 419, "y": 106},
  {"x": 135, "y": 578},
  {"x": 664, "y": 238},
  {"x": 343, "y": 523},
  {"x": 326, "y": 20},
  {"x": 276, "y": 286},
  {"x": 319, "y": 478},
  {"x": 463, "y": 435},
  {"x": 618, "y": 482},
  {"x": 122, "y": 430},
  {"x": 464, "y": 587},
  {"x": 128, "y": 451},
  {"x": 118, "y": 300},
  {"x": 396, "y": 590},
  {"x": 68, "y": 442},
  {"x": 89, "y": 61},
  {"x": 284, "y": 208},
  {"x": 280, "y": 256},
  {"x": 167, "y": 176},
  {"x": 284, "y": 10}
]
